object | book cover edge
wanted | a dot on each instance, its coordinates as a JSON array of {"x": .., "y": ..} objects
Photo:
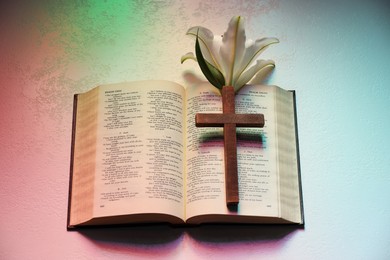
[
  {"x": 298, "y": 159},
  {"x": 75, "y": 99}
]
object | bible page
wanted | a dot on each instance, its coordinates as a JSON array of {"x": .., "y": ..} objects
[
  {"x": 140, "y": 149},
  {"x": 257, "y": 167}
]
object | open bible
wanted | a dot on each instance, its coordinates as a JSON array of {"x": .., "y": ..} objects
[{"x": 137, "y": 157}]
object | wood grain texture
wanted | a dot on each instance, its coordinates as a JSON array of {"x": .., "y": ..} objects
[
  {"x": 229, "y": 120},
  {"x": 219, "y": 120},
  {"x": 230, "y": 148}
]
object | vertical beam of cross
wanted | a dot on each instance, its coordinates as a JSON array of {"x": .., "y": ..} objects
[
  {"x": 230, "y": 151},
  {"x": 229, "y": 120}
]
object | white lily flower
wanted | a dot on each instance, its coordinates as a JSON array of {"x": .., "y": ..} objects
[{"x": 228, "y": 62}]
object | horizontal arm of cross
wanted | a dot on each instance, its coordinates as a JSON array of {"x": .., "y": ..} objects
[{"x": 218, "y": 120}]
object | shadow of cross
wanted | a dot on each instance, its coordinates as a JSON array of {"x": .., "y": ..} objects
[{"x": 229, "y": 120}]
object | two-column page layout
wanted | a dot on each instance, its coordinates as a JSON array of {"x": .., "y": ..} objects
[{"x": 137, "y": 157}]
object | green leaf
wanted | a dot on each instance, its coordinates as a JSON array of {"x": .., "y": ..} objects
[
  {"x": 213, "y": 75},
  {"x": 208, "y": 44}
]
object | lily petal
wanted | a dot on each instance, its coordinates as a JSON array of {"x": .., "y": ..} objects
[
  {"x": 233, "y": 47},
  {"x": 228, "y": 61},
  {"x": 251, "y": 53},
  {"x": 261, "y": 75},
  {"x": 251, "y": 72},
  {"x": 188, "y": 56},
  {"x": 208, "y": 44}
]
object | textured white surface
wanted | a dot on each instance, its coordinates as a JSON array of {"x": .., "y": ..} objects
[{"x": 335, "y": 54}]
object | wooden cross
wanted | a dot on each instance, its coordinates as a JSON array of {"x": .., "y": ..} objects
[{"x": 229, "y": 120}]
